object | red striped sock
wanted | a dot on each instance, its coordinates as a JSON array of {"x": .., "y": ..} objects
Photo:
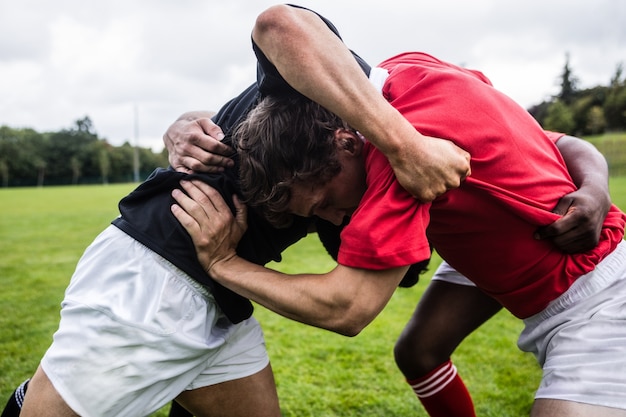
[{"x": 443, "y": 393}]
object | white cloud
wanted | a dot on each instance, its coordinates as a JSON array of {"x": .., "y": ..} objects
[{"x": 62, "y": 60}]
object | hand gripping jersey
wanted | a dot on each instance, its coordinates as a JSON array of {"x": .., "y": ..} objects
[{"x": 145, "y": 216}]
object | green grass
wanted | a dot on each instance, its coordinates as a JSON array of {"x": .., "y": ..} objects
[
  {"x": 613, "y": 146},
  {"x": 43, "y": 232},
  {"x": 331, "y": 375}
]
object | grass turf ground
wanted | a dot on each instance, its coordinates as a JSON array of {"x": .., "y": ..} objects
[{"x": 43, "y": 232}]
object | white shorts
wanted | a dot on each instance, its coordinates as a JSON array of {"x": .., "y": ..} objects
[
  {"x": 446, "y": 273},
  {"x": 580, "y": 338},
  {"x": 135, "y": 332}
]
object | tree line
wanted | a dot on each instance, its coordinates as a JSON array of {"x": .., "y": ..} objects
[
  {"x": 78, "y": 156},
  {"x": 584, "y": 112},
  {"x": 70, "y": 156}
]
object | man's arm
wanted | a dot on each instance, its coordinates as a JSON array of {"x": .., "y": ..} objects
[
  {"x": 193, "y": 143},
  {"x": 583, "y": 210},
  {"x": 314, "y": 61},
  {"x": 344, "y": 300}
]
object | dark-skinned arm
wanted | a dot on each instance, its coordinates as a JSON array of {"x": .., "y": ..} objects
[{"x": 583, "y": 210}]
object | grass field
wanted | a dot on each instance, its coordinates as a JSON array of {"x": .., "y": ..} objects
[
  {"x": 613, "y": 146},
  {"x": 43, "y": 232}
]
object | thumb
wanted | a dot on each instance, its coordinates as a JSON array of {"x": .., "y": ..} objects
[{"x": 563, "y": 206}]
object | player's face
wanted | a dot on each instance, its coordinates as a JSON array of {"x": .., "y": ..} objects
[{"x": 337, "y": 198}]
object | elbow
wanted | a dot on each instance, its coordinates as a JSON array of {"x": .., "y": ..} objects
[
  {"x": 351, "y": 320},
  {"x": 272, "y": 22},
  {"x": 350, "y": 330}
]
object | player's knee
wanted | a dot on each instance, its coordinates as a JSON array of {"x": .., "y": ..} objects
[
  {"x": 406, "y": 353},
  {"x": 414, "y": 358}
]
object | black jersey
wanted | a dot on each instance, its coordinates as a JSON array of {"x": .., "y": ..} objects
[{"x": 146, "y": 216}]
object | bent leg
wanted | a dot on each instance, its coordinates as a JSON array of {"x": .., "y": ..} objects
[
  {"x": 42, "y": 399},
  {"x": 445, "y": 315},
  {"x": 254, "y": 395}
]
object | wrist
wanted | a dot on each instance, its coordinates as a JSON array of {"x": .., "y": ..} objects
[
  {"x": 217, "y": 268},
  {"x": 392, "y": 137},
  {"x": 396, "y": 151}
]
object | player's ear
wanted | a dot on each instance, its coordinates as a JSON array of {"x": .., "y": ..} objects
[{"x": 348, "y": 140}]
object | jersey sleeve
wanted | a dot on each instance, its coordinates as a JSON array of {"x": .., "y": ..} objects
[
  {"x": 388, "y": 229},
  {"x": 554, "y": 136}
]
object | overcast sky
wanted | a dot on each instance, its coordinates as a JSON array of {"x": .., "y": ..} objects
[{"x": 62, "y": 60}]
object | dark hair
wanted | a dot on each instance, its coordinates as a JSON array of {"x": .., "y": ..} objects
[{"x": 284, "y": 141}]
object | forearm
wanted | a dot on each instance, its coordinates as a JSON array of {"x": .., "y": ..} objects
[
  {"x": 333, "y": 301},
  {"x": 344, "y": 300},
  {"x": 583, "y": 211},
  {"x": 314, "y": 61}
]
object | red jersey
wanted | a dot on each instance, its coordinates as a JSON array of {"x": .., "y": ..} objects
[{"x": 485, "y": 228}]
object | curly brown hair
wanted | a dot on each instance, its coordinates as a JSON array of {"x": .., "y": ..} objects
[{"x": 282, "y": 142}]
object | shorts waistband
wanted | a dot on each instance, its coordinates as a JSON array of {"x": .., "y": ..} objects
[
  {"x": 185, "y": 277},
  {"x": 611, "y": 269}
]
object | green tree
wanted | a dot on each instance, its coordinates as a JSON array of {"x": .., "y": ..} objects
[
  {"x": 559, "y": 118},
  {"x": 85, "y": 125},
  {"x": 100, "y": 152},
  {"x": 615, "y": 103},
  {"x": 149, "y": 160},
  {"x": 19, "y": 148},
  {"x": 616, "y": 79},
  {"x": 580, "y": 113},
  {"x": 4, "y": 172},
  {"x": 69, "y": 156},
  {"x": 76, "y": 166},
  {"x": 121, "y": 158},
  {"x": 105, "y": 166},
  {"x": 568, "y": 82},
  {"x": 40, "y": 165},
  {"x": 596, "y": 123},
  {"x": 69, "y": 145}
]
